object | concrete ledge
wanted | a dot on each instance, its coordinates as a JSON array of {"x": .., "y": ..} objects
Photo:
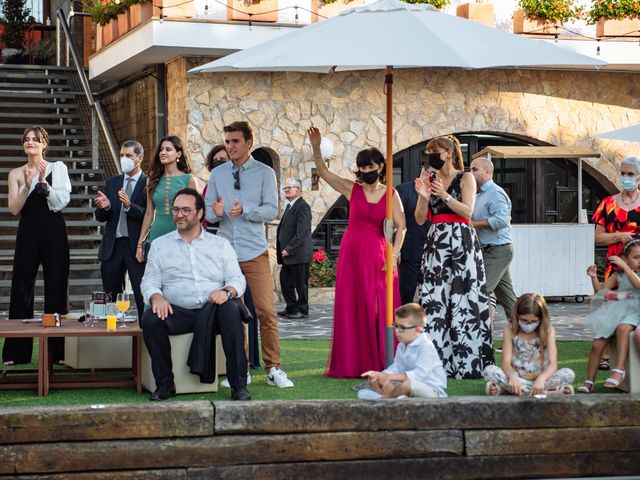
[{"x": 467, "y": 437}]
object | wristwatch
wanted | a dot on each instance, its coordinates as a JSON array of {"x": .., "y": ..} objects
[{"x": 229, "y": 294}]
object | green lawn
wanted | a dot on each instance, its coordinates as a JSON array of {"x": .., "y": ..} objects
[{"x": 304, "y": 361}]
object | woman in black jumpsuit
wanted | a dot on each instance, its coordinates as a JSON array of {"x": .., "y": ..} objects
[{"x": 38, "y": 192}]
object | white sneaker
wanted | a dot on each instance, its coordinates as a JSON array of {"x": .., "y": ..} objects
[
  {"x": 368, "y": 394},
  {"x": 278, "y": 378},
  {"x": 225, "y": 383}
]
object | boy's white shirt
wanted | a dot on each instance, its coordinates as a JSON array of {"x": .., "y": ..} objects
[{"x": 419, "y": 361}]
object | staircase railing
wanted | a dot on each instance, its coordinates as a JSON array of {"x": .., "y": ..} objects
[{"x": 97, "y": 114}]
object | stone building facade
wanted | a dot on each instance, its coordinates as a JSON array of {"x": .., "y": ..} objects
[{"x": 562, "y": 108}]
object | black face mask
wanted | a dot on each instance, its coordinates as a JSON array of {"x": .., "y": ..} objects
[
  {"x": 433, "y": 160},
  {"x": 369, "y": 177}
]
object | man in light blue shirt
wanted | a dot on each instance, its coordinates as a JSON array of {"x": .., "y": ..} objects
[
  {"x": 242, "y": 195},
  {"x": 492, "y": 220}
]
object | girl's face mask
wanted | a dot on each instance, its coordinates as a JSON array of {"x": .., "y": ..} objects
[{"x": 528, "y": 327}]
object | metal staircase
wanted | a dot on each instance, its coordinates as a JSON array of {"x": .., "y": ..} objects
[{"x": 48, "y": 96}]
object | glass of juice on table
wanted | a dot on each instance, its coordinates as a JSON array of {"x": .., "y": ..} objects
[
  {"x": 111, "y": 317},
  {"x": 123, "y": 303}
]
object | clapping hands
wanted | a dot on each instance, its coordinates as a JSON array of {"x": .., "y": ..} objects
[
  {"x": 126, "y": 202},
  {"x": 218, "y": 207},
  {"x": 27, "y": 172},
  {"x": 42, "y": 170},
  {"x": 101, "y": 201},
  {"x": 423, "y": 187},
  {"x": 438, "y": 189}
]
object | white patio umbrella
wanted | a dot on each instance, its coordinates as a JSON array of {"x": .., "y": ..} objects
[
  {"x": 392, "y": 34},
  {"x": 629, "y": 134}
]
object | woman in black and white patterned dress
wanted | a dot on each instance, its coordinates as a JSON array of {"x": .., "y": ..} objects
[{"x": 452, "y": 288}]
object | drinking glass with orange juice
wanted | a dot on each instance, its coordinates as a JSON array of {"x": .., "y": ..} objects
[
  {"x": 111, "y": 317},
  {"x": 123, "y": 303}
]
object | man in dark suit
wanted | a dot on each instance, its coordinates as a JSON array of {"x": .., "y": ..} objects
[
  {"x": 122, "y": 206},
  {"x": 413, "y": 246},
  {"x": 294, "y": 251}
]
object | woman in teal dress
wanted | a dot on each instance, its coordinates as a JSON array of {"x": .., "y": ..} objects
[{"x": 169, "y": 172}]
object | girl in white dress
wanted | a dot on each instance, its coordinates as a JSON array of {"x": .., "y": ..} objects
[{"x": 618, "y": 313}]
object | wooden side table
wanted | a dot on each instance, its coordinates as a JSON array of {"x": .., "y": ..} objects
[{"x": 88, "y": 378}]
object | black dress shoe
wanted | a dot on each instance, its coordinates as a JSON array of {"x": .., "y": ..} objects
[
  {"x": 283, "y": 313},
  {"x": 163, "y": 393},
  {"x": 240, "y": 393},
  {"x": 295, "y": 315}
]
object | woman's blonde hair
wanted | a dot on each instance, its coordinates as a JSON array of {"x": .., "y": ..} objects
[
  {"x": 532, "y": 304},
  {"x": 451, "y": 144}
]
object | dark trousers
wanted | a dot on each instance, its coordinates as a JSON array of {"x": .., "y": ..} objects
[
  {"x": 113, "y": 272},
  {"x": 408, "y": 275},
  {"x": 31, "y": 251},
  {"x": 294, "y": 282},
  {"x": 228, "y": 324}
]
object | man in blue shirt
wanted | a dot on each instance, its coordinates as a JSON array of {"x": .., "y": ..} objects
[
  {"x": 242, "y": 196},
  {"x": 492, "y": 220}
]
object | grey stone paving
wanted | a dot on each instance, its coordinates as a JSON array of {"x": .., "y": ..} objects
[{"x": 567, "y": 318}]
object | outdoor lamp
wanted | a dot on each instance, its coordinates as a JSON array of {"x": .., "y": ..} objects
[{"x": 326, "y": 148}]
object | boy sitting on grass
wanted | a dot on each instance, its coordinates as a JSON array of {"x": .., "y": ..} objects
[{"x": 416, "y": 370}]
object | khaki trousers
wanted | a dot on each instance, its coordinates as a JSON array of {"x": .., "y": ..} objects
[
  {"x": 258, "y": 274},
  {"x": 496, "y": 266}
]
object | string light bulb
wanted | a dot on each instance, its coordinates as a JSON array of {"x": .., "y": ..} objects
[
  {"x": 206, "y": 7},
  {"x": 296, "y": 17},
  {"x": 598, "y": 48}
]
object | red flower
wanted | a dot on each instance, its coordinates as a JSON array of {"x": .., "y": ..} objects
[{"x": 319, "y": 256}]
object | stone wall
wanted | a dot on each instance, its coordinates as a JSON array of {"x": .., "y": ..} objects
[
  {"x": 176, "y": 92},
  {"x": 560, "y": 108},
  {"x": 131, "y": 110}
]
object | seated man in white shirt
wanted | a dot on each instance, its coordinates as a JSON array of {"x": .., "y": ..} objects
[
  {"x": 416, "y": 370},
  {"x": 187, "y": 271}
]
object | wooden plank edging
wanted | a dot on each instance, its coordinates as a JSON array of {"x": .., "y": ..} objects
[
  {"x": 604, "y": 410},
  {"x": 115, "y": 421}
]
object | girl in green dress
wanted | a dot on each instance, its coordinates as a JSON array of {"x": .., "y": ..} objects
[{"x": 169, "y": 172}]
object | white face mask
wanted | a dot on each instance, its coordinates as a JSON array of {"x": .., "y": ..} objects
[
  {"x": 126, "y": 164},
  {"x": 528, "y": 327}
]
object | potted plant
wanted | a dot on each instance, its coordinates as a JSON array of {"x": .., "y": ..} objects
[
  {"x": 16, "y": 19},
  {"x": 478, "y": 11},
  {"x": 140, "y": 12},
  {"x": 322, "y": 271},
  {"x": 615, "y": 18},
  {"x": 439, "y": 4},
  {"x": 103, "y": 11},
  {"x": 254, "y": 10},
  {"x": 544, "y": 16},
  {"x": 322, "y": 278}
]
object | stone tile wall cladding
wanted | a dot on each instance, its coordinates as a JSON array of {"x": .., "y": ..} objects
[
  {"x": 132, "y": 113},
  {"x": 561, "y": 108}
]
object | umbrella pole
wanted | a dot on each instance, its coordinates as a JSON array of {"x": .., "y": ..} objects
[{"x": 388, "y": 82}]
